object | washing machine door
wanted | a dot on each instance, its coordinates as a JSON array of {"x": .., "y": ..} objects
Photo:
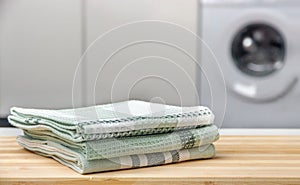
[
  {"x": 259, "y": 67},
  {"x": 258, "y": 50}
]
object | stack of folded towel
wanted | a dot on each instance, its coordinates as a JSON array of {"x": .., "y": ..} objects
[{"x": 116, "y": 136}]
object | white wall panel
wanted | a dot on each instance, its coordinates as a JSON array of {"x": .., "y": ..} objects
[
  {"x": 152, "y": 77},
  {"x": 40, "y": 45}
]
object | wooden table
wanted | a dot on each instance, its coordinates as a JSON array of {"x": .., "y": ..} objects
[{"x": 240, "y": 160}]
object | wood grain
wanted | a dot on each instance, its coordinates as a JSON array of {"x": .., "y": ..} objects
[{"x": 240, "y": 160}]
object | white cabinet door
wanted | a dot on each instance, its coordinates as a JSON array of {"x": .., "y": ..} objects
[
  {"x": 136, "y": 57},
  {"x": 40, "y": 45}
]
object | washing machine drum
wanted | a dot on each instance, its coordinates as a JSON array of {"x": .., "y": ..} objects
[{"x": 258, "y": 50}]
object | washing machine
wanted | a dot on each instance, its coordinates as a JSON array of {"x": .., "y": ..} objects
[{"x": 256, "y": 44}]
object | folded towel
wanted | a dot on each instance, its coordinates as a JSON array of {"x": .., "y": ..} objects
[
  {"x": 116, "y": 136},
  {"x": 129, "y": 118},
  {"x": 77, "y": 161},
  {"x": 116, "y": 147}
]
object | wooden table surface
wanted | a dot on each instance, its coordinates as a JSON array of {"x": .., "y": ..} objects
[{"x": 240, "y": 160}]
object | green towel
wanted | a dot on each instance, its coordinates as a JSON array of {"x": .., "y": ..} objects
[
  {"x": 117, "y": 136},
  {"x": 129, "y": 118},
  {"x": 116, "y": 147},
  {"x": 76, "y": 161}
]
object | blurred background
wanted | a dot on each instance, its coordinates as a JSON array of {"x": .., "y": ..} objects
[{"x": 240, "y": 58}]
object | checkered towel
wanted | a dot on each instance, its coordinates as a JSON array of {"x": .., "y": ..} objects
[
  {"x": 129, "y": 118},
  {"x": 116, "y": 136},
  {"x": 77, "y": 162},
  {"x": 116, "y": 147}
]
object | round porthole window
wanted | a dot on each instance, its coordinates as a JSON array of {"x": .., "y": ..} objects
[{"x": 258, "y": 50}]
